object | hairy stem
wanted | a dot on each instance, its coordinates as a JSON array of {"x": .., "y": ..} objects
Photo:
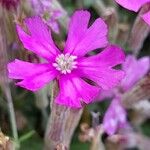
[
  {"x": 12, "y": 116},
  {"x": 61, "y": 125},
  {"x": 3, "y": 74}
]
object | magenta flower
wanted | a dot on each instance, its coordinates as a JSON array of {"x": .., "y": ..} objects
[
  {"x": 49, "y": 14},
  {"x": 115, "y": 116},
  {"x": 70, "y": 67},
  {"x": 135, "y": 70},
  {"x": 135, "y": 5}
]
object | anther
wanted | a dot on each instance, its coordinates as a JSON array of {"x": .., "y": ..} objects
[{"x": 65, "y": 63}]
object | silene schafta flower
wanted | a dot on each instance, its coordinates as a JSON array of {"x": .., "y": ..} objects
[
  {"x": 116, "y": 116},
  {"x": 72, "y": 66},
  {"x": 135, "y": 5}
]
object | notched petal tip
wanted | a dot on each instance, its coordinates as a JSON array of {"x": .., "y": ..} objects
[
  {"x": 81, "y": 38},
  {"x": 115, "y": 54},
  {"x": 37, "y": 38},
  {"x": 81, "y": 12},
  {"x": 118, "y": 51},
  {"x": 27, "y": 22},
  {"x": 11, "y": 68}
]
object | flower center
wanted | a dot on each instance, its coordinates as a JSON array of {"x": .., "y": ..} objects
[{"x": 65, "y": 63}]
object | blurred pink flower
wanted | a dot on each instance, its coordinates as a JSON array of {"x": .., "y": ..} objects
[
  {"x": 134, "y": 70},
  {"x": 9, "y": 4},
  {"x": 71, "y": 67},
  {"x": 115, "y": 117},
  {"x": 49, "y": 14},
  {"x": 52, "y": 21},
  {"x": 135, "y": 5}
]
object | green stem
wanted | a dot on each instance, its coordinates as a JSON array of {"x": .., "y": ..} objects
[
  {"x": 12, "y": 117},
  {"x": 4, "y": 81}
]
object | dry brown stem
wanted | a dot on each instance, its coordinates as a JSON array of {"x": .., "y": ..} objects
[
  {"x": 139, "y": 92},
  {"x": 61, "y": 125},
  {"x": 139, "y": 32}
]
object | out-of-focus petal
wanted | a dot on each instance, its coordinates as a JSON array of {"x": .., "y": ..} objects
[
  {"x": 105, "y": 94},
  {"x": 99, "y": 68},
  {"x": 74, "y": 91},
  {"x": 56, "y": 14},
  {"x": 134, "y": 70},
  {"x": 146, "y": 17},
  {"x": 33, "y": 76},
  {"x": 53, "y": 25},
  {"x": 39, "y": 39},
  {"x": 133, "y": 5},
  {"x": 82, "y": 39},
  {"x": 115, "y": 117},
  {"x": 37, "y": 7}
]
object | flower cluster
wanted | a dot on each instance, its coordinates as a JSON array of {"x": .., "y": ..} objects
[
  {"x": 50, "y": 14},
  {"x": 73, "y": 66},
  {"x": 115, "y": 116},
  {"x": 135, "y": 5}
]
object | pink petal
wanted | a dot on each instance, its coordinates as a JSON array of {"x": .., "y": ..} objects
[
  {"x": 133, "y": 5},
  {"x": 77, "y": 28},
  {"x": 39, "y": 40},
  {"x": 82, "y": 39},
  {"x": 56, "y": 14},
  {"x": 109, "y": 57},
  {"x": 33, "y": 76},
  {"x": 105, "y": 94},
  {"x": 20, "y": 69},
  {"x": 135, "y": 70},
  {"x": 146, "y": 17},
  {"x": 54, "y": 25},
  {"x": 36, "y": 82},
  {"x": 115, "y": 117},
  {"x": 72, "y": 94},
  {"x": 37, "y": 7},
  {"x": 99, "y": 68}
]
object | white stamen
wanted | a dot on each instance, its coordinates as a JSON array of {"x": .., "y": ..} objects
[{"x": 65, "y": 63}]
